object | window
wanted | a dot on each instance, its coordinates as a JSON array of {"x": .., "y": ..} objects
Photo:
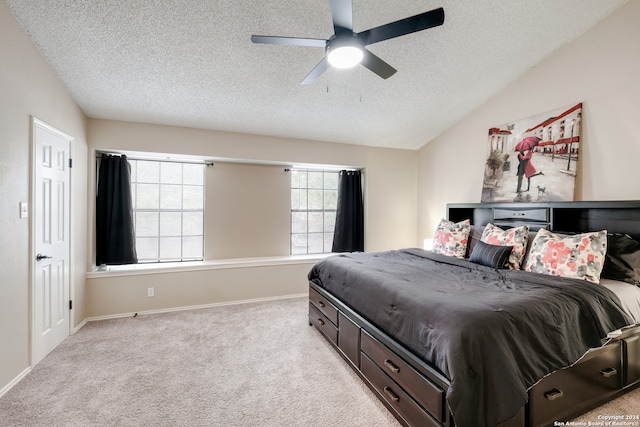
[
  {"x": 314, "y": 199},
  {"x": 168, "y": 210}
]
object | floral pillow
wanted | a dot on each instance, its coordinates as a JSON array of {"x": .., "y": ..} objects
[
  {"x": 451, "y": 238},
  {"x": 516, "y": 237},
  {"x": 580, "y": 256}
]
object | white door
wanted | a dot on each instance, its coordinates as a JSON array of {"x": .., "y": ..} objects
[{"x": 51, "y": 255}]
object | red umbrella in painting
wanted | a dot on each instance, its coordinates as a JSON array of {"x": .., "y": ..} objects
[{"x": 527, "y": 143}]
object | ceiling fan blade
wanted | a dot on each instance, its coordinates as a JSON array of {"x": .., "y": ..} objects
[
  {"x": 402, "y": 27},
  {"x": 377, "y": 65},
  {"x": 316, "y": 72},
  {"x": 342, "y": 15},
  {"x": 289, "y": 41}
]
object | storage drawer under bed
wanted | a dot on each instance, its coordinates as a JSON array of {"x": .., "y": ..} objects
[
  {"x": 320, "y": 321},
  {"x": 570, "y": 391},
  {"x": 395, "y": 396},
  {"x": 427, "y": 394},
  {"x": 324, "y": 306}
]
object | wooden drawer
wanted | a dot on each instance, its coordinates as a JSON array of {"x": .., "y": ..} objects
[
  {"x": 427, "y": 394},
  {"x": 349, "y": 339},
  {"x": 393, "y": 394},
  {"x": 568, "y": 392},
  {"x": 541, "y": 215},
  {"x": 320, "y": 321},
  {"x": 324, "y": 306},
  {"x": 631, "y": 360}
]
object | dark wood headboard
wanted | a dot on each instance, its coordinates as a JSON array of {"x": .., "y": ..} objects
[{"x": 568, "y": 217}]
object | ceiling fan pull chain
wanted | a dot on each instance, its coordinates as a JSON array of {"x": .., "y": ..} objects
[{"x": 360, "y": 81}]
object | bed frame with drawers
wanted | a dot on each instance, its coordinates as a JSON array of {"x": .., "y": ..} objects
[{"x": 415, "y": 392}]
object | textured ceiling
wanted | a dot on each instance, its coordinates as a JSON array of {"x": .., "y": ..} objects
[{"x": 191, "y": 62}]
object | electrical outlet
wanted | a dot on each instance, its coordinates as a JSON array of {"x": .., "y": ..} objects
[{"x": 151, "y": 292}]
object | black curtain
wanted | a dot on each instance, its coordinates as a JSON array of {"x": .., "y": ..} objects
[
  {"x": 115, "y": 236},
  {"x": 349, "y": 232}
]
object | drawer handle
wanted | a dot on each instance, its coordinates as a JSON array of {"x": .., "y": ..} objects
[
  {"x": 321, "y": 322},
  {"x": 553, "y": 394},
  {"x": 609, "y": 372},
  {"x": 391, "y": 394},
  {"x": 321, "y": 304},
  {"x": 389, "y": 364},
  {"x": 519, "y": 214}
]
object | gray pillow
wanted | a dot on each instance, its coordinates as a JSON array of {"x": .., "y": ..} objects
[
  {"x": 474, "y": 237},
  {"x": 622, "y": 261},
  {"x": 490, "y": 255}
]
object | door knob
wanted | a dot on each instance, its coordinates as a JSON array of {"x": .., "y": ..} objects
[{"x": 40, "y": 257}]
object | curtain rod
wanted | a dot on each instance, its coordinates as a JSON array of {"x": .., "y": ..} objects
[
  {"x": 361, "y": 170},
  {"x": 151, "y": 159},
  {"x": 212, "y": 163}
]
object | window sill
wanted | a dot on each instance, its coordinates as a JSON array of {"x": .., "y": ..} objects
[{"x": 170, "y": 267}]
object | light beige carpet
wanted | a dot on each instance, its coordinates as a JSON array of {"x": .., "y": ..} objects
[{"x": 256, "y": 364}]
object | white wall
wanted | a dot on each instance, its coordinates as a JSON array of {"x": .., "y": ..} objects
[
  {"x": 600, "y": 69},
  {"x": 28, "y": 88},
  {"x": 116, "y": 293},
  {"x": 390, "y": 193},
  {"x": 247, "y": 211},
  {"x": 390, "y": 185}
]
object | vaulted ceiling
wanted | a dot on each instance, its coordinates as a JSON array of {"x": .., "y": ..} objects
[{"x": 192, "y": 63}]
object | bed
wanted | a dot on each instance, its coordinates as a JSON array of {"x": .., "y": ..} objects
[{"x": 444, "y": 341}]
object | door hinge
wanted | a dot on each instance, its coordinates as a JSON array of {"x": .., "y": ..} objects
[
  {"x": 70, "y": 163},
  {"x": 70, "y": 305}
]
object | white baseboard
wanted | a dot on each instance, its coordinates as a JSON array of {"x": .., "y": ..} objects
[
  {"x": 15, "y": 381},
  {"x": 24, "y": 373},
  {"x": 190, "y": 307},
  {"x": 77, "y": 328}
]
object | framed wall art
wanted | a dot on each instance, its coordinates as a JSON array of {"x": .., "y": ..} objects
[{"x": 534, "y": 159}]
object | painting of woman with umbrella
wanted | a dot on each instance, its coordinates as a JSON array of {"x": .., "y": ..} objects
[
  {"x": 525, "y": 166},
  {"x": 554, "y": 138}
]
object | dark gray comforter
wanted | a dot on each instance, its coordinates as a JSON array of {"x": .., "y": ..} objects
[{"x": 493, "y": 333}]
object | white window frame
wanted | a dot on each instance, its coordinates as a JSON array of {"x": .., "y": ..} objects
[
  {"x": 302, "y": 240},
  {"x": 196, "y": 189}
]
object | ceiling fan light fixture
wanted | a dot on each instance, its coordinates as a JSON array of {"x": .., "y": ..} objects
[
  {"x": 345, "y": 56},
  {"x": 345, "y": 50}
]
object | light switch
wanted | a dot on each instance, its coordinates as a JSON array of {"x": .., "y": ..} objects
[{"x": 24, "y": 210}]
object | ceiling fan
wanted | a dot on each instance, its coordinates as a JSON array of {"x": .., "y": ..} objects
[{"x": 345, "y": 49}]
